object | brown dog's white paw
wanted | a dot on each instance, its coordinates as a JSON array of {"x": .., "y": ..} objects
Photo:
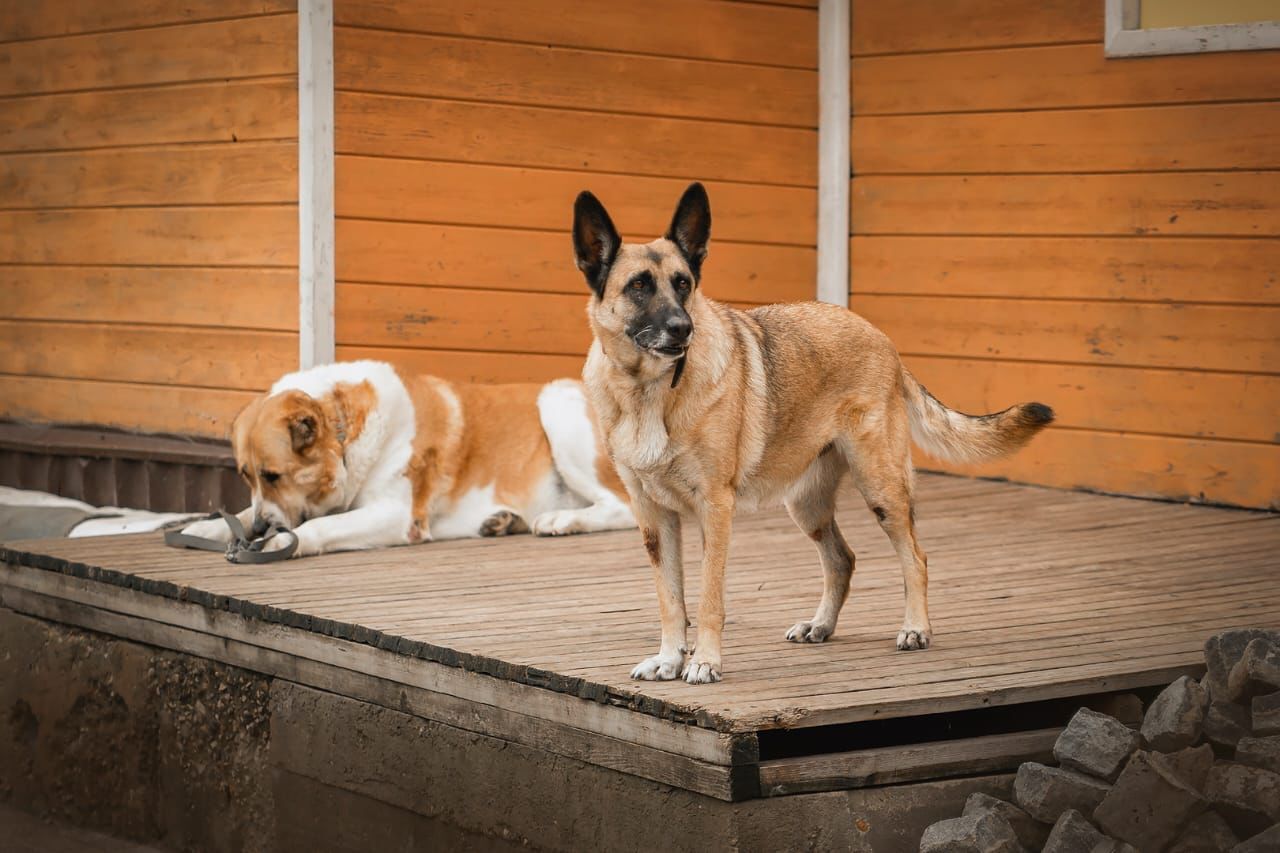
[
  {"x": 558, "y": 522},
  {"x": 911, "y": 639},
  {"x": 702, "y": 671},
  {"x": 306, "y": 544},
  {"x": 809, "y": 632},
  {"x": 658, "y": 668},
  {"x": 213, "y": 528}
]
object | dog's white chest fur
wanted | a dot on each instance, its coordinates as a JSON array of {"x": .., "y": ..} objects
[{"x": 641, "y": 441}]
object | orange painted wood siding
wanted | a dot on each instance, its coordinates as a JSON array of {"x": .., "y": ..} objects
[
  {"x": 148, "y": 209},
  {"x": 1034, "y": 221},
  {"x": 465, "y": 130}
]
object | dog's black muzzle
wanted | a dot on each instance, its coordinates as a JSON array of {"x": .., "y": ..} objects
[{"x": 666, "y": 334}]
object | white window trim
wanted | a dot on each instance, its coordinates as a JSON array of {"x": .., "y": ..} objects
[
  {"x": 315, "y": 183},
  {"x": 833, "y": 151},
  {"x": 1131, "y": 41}
]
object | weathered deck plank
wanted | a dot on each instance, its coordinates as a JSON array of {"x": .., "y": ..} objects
[{"x": 1035, "y": 593}]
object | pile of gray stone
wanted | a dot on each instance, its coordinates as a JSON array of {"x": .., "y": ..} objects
[{"x": 1201, "y": 776}]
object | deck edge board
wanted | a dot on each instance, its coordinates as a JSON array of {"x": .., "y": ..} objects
[
  {"x": 719, "y": 781},
  {"x": 517, "y": 673}
]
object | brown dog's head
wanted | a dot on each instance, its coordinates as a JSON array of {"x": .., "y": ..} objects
[
  {"x": 290, "y": 454},
  {"x": 644, "y": 294}
]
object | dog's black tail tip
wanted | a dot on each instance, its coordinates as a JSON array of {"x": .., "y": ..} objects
[{"x": 1037, "y": 414}]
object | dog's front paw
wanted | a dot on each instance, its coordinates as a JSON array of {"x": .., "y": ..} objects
[
  {"x": 559, "y": 522},
  {"x": 809, "y": 632},
  {"x": 658, "y": 668},
  {"x": 281, "y": 541},
  {"x": 212, "y": 528},
  {"x": 912, "y": 638},
  {"x": 702, "y": 671}
]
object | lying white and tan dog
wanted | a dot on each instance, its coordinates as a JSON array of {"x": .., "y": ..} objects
[{"x": 355, "y": 455}]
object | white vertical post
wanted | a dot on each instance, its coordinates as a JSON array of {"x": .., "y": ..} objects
[
  {"x": 833, "y": 151},
  {"x": 315, "y": 183}
]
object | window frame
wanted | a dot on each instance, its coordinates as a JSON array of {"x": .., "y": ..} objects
[{"x": 1124, "y": 38}]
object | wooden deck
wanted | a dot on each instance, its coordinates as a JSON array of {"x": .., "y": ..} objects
[{"x": 1036, "y": 595}]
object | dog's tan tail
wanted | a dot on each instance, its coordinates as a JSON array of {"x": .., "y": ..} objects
[{"x": 956, "y": 437}]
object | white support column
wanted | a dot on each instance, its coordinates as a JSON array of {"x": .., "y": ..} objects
[
  {"x": 315, "y": 182},
  {"x": 833, "y": 151}
]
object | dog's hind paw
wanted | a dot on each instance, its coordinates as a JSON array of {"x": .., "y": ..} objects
[
  {"x": 809, "y": 632},
  {"x": 658, "y": 668},
  {"x": 910, "y": 639},
  {"x": 702, "y": 672},
  {"x": 502, "y": 523}
]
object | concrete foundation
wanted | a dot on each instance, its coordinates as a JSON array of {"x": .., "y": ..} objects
[{"x": 190, "y": 754}]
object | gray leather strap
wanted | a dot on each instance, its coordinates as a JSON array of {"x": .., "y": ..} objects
[
  {"x": 174, "y": 537},
  {"x": 251, "y": 551},
  {"x": 241, "y": 549}
]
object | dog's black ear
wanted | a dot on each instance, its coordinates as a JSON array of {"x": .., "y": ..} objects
[
  {"x": 691, "y": 227},
  {"x": 595, "y": 240},
  {"x": 302, "y": 432}
]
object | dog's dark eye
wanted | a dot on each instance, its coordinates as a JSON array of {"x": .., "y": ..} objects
[
  {"x": 638, "y": 284},
  {"x": 681, "y": 283},
  {"x": 269, "y": 476}
]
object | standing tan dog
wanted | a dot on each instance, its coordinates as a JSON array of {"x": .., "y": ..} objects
[{"x": 706, "y": 409}]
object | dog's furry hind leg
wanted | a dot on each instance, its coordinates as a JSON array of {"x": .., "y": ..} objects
[{"x": 812, "y": 505}]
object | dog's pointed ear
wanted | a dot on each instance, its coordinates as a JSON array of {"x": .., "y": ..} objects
[
  {"x": 302, "y": 431},
  {"x": 595, "y": 240},
  {"x": 691, "y": 227}
]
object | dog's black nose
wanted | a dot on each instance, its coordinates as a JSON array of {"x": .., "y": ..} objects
[
  {"x": 260, "y": 526},
  {"x": 678, "y": 327}
]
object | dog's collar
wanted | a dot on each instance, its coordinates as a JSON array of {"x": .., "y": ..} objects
[
  {"x": 340, "y": 426},
  {"x": 338, "y": 420},
  {"x": 679, "y": 371}
]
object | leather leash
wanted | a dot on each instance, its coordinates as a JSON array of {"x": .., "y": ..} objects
[
  {"x": 679, "y": 371},
  {"x": 242, "y": 548}
]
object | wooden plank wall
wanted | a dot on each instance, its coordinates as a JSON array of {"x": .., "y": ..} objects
[
  {"x": 148, "y": 209},
  {"x": 1033, "y": 221},
  {"x": 465, "y": 130}
]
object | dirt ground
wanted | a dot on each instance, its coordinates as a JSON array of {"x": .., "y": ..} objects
[{"x": 25, "y": 833}]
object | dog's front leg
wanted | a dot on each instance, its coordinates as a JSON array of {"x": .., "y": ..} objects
[
  {"x": 374, "y": 525},
  {"x": 661, "y": 530},
  {"x": 217, "y": 529},
  {"x": 717, "y": 522}
]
